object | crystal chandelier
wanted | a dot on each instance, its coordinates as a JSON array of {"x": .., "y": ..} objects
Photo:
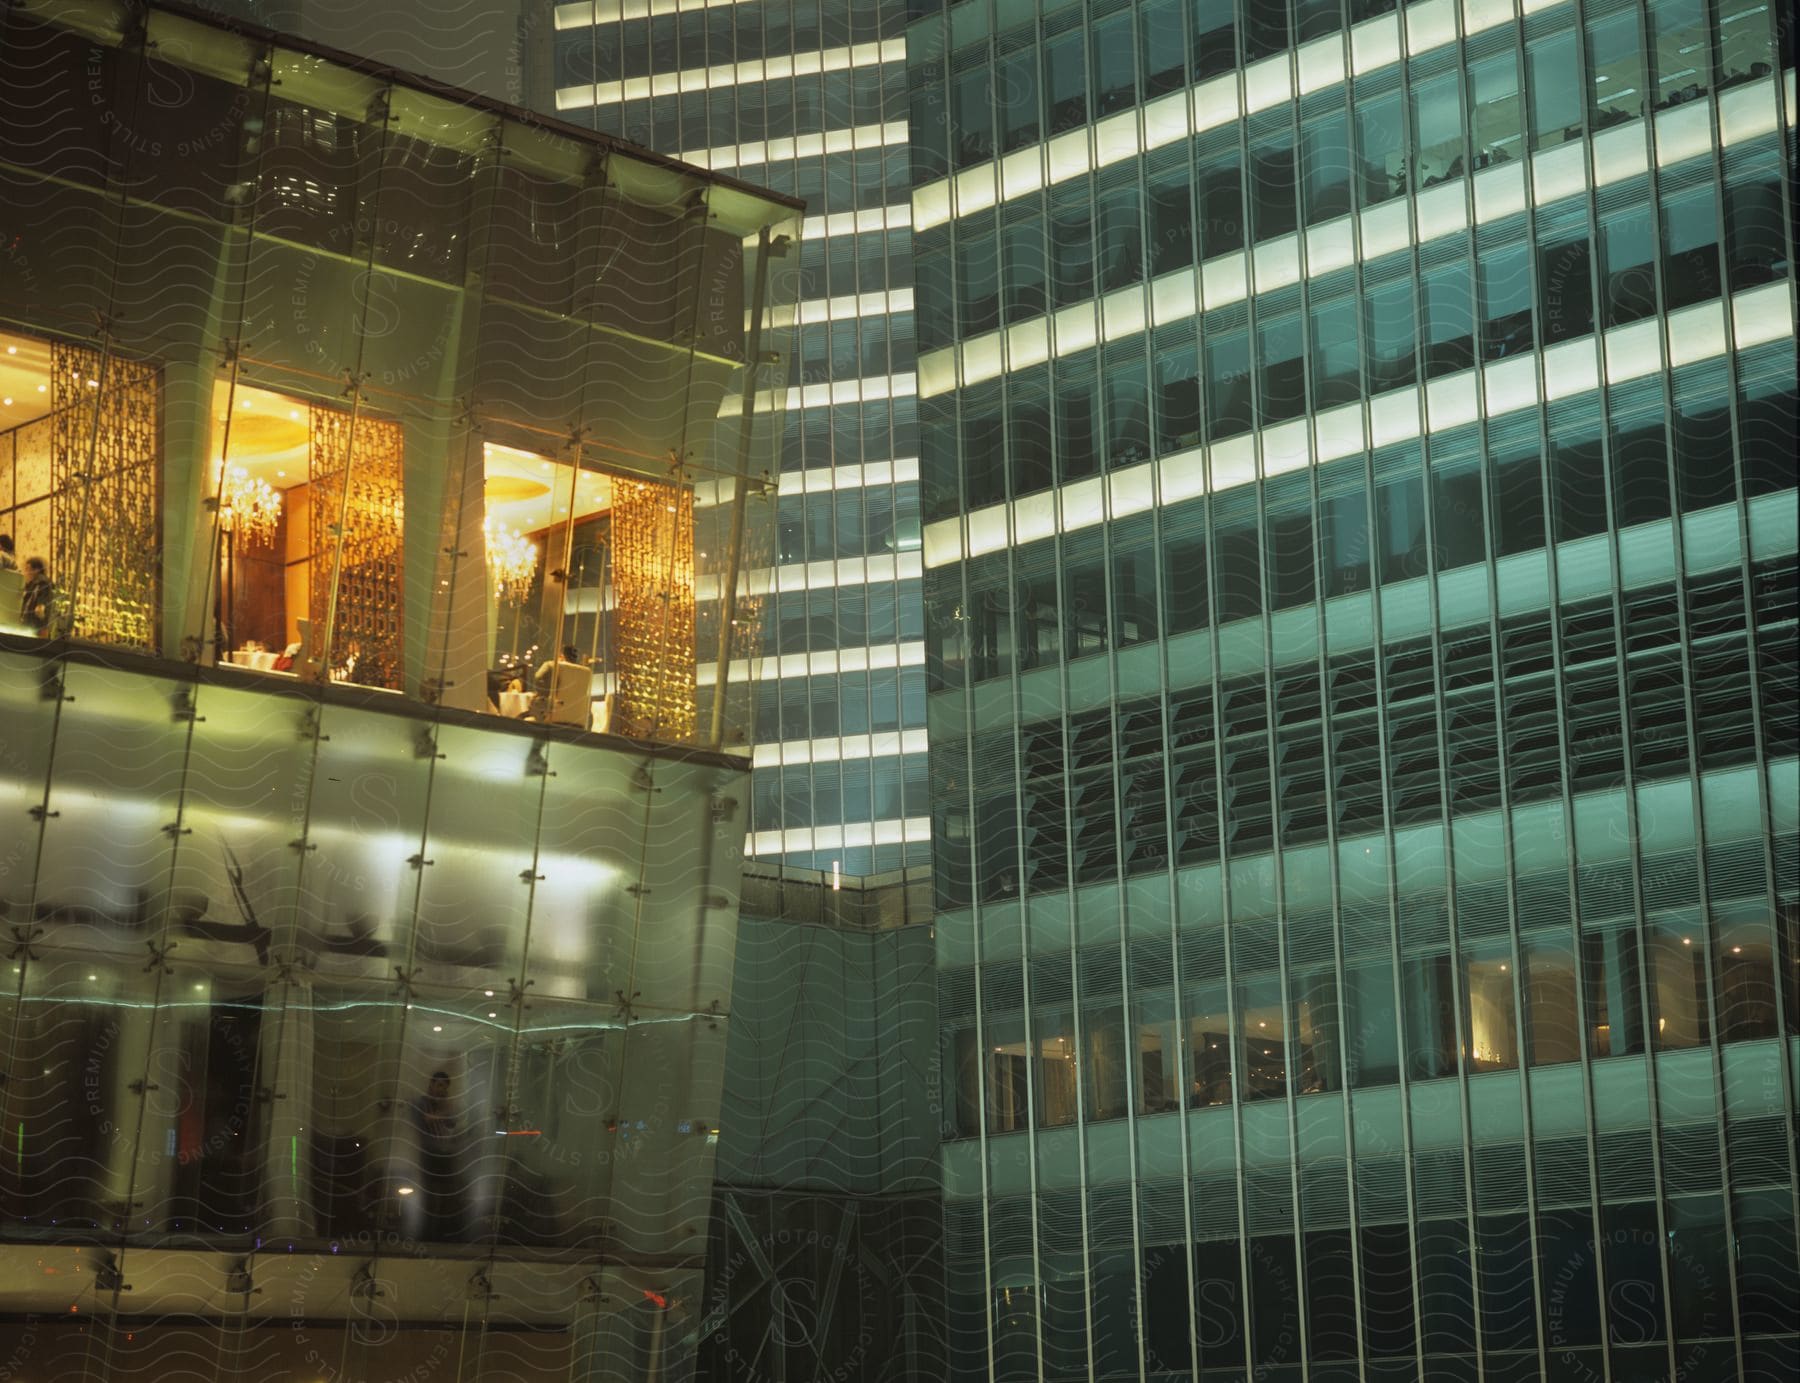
[
  {"x": 247, "y": 506},
  {"x": 512, "y": 559}
]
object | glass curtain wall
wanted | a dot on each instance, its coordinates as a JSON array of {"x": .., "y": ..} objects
[
  {"x": 416, "y": 397},
  {"x": 360, "y": 1022},
  {"x": 1386, "y": 967}
]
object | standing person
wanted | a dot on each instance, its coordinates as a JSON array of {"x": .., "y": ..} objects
[
  {"x": 9, "y": 559},
  {"x": 441, "y": 1153},
  {"x": 36, "y": 600},
  {"x": 565, "y": 690}
]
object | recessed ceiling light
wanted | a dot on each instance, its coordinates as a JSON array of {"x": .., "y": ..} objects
[
  {"x": 294, "y": 414},
  {"x": 42, "y": 388},
  {"x": 12, "y": 350},
  {"x": 7, "y": 402}
]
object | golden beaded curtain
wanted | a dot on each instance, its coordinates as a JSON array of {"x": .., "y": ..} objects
[
  {"x": 105, "y": 507},
  {"x": 368, "y": 466},
  {"x": 653, "y": 595}
]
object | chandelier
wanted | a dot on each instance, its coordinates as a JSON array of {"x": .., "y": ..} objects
[
  {"x": 247, "y": 506},
  {"x": 512, "y": 559}
]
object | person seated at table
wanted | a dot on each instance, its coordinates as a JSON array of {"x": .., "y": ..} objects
[{"x": 565, "y": 690}]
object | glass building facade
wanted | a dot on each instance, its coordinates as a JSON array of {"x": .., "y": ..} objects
[
  {"x": 827, "y": 1233},
  {"x": 1357, "y": 463},
  {"x": 808, "y": 97},
  {"x": 368, "y": 959}
]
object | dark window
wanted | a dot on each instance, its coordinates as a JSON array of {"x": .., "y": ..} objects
[
  {"x": 1458, "y": 531},
  {"x": 1228, "y": 385},
  {"x": 1579, "y": 470},
  {"x": 1326, "y": 145},
  {"x": 1568, "y": 1258},
  {"x": 1400, "y": 526},
  {"x": 1016, "y": 93},
  {"x": 1702, "y": 1299},
  {"x": 1565, "y": 289},
  {"x": 1065, "y": 81},
  {"x": 1177, "y": 395},
  {"x": 1380, "y": 146},
  {"x": 983, "y": 453},
  {"x": 1184, "y": 569},
  {"x": 1766, "y": 1267},
  {"x": 1272, "y": 186},
  {"x": 1336, "y": 353},
  {"x": 1430, "y": 1016},
  {"x": 1283, "y": 365},
  {"x": 1121, "y": 236},
  {"x": 1161, "y": 47},
  {"x": 1115, "y": 80},
  {"x": 1171, "y": 221},
  {"x": 1374, "y": 1058},
  {"x": 1344, "y": 527},
  {"x": 1215, "y": 37},
  {"x": 1389, "y": 334},
  {"x": 1077, "y": 417},
  {"x": 1611, "y": 978},
  {"x": 1388, "y": 1317},
  {"x": 1218, "y": 1285},
  {"x": 1239, "y": 557},
  {"x": 1274, "y": 1302},
  {"x": 1627, "y": 266},
  {"x": 1756, "y": 246},
  {"x": 1505, "y": 278},
  {"x": 1446, "y": 1283},
  {"x": 1690, "y": 246},
  {"x": 1084, "y": 598},
  {"x": 1290, "y": 556},
  {"x": 1029, "y": 431},
  {"x": 1766, "y": 427},
  {"x": 1704, "y": 464},
  {"x": 1221, "y": 204},
  {"x": 1127, "y": 405},
  {"x": 1640, "y": 467},
  {"x": 1071, "y": 247},
  {"x": 1022, "y": 267},
  {"x": 1316, "y": 18},
  {"x": 1133, "y": 585},
  {"x": 1265, "y": 30},
  {"x": 1503, "y": 1263},
  {"x": 978, "y": 280},
  {"x": 1449, "y": 320}
]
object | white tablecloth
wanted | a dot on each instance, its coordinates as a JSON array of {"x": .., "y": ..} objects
[{"x": 514, "y": 704}]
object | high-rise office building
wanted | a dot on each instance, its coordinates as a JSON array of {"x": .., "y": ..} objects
[
  {"x": 808, "y": 97},
  {"x": 1357, "y": 459},
  {"x": 372, "y": 461}
]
